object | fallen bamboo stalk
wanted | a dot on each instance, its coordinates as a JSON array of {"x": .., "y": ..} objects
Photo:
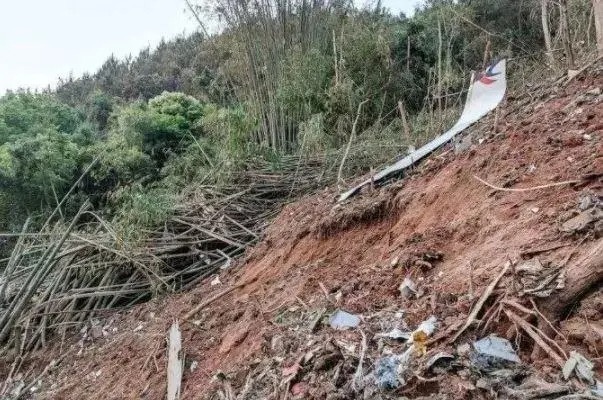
[{"x": 175, "y": 362}]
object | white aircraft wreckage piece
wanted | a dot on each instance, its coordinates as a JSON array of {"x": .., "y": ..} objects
[{"x": 485, "y": 93}]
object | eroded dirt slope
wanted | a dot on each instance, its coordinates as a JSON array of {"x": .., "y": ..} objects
[{"x": 446, "y": 230}]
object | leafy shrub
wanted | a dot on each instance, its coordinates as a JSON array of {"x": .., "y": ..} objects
[{"x": 138, "y": 208}]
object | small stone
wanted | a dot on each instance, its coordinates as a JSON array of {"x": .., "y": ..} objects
[
  {"x": 408, "y": 288},
  {"x": 96, "y": 332},
  {"x": 300, "y": 389},
  {"x": 463, "y": 349}
]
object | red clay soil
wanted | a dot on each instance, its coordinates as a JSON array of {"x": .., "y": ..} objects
[{"x": 441, "y": 226}]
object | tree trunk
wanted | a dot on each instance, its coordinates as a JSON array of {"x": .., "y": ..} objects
[
  {"x": 408, "y": 54},
  {"x": 547, "y": 32},
  {"x": 439, "y": 74},
  {"x": 581, "y": 277},
  {"x": 565, "y": 34},
  {"x": 405, "y": 125},
  {"x": 598, "y": 11}
]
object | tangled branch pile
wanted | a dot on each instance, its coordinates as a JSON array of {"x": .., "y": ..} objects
[{"x": 60, "y": 277}]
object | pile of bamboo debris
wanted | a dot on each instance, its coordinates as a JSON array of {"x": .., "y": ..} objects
[{"x": 60, "y": 277}]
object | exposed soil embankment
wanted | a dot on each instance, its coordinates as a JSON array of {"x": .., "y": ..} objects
[{"x": 441, "y": 226}]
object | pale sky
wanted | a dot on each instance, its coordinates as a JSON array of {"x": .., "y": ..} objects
[{"x": 41, "y": 40}]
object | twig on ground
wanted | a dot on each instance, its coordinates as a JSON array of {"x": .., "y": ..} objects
[
  {"x": 571, "y": 182},
  {"x": 530, "y": 253},
  {"x": 529, "y": 329},
  {"x": 545, "y": 319},
  {"x": 359, "y": 374},
  {"x": 207, "y": 302},
  {"x": 485, "y": 295}
]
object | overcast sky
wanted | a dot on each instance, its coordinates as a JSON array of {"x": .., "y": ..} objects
[{"x": 41, "y": 40}]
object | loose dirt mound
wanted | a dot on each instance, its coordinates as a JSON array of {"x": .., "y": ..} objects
[{"x": 442, "y": 227}]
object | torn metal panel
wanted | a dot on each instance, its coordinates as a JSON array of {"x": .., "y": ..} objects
[{"x": 485, "y": 93}]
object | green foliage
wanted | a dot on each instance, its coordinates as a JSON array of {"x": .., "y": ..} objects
[
  {"x": 120, "y": 162},
  {"x": 25, "y": 113},
  {"x": 138, "y": 207},
  {"x": 196, "y": 109},
  {"x": 314, "y": 138},
  {"x": 304, "y": 79},
  {"x": 99, "y": 107},
  {"x": 163, "y": 127},
  {"x": 229, "y": 129},
  {"x": 40, "y": 151}
]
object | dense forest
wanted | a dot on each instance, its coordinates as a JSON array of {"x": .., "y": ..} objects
[{"x": 282, "y": 78}]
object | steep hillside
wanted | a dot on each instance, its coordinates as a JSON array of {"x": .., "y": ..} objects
[{"x": 452, "y": 226}]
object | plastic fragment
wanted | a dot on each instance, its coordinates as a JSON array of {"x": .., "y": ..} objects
[
  {"x": 396, "y": 334},
  {"x": 428, "y": 326},
  {"x": 493, "y": 352},
  {"x": 408, "y": 288},
  {"x": 581, "y": 365},
  {"x": 438, "y": 357},
  {"x": 343, "y": 320},
  {"x": 386, "y": 372},
  {"x": 420, "y": 335}
]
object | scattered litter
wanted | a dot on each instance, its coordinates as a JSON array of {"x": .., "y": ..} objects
[
  {"x": 493, "y": 352},
  {"x": 598, "y": 389},
  {"x": 138, "y": 328},
  {"x": 428, "y": 327},
  {"x": 194, "y": 366},
  {"x": 386, "y": 372},
  {"x": 438, "y": 358},
  {"x": 582, "y": 221},
  {"x": 216, "y": 281},
  {"x": 588, "y": 200},
  {"x": 395, "y": 261},
  {"x": 538, "y": 279},
  {"x": 581, "y": 365},
  {"x": 343, "y": 320},
  {"x": 396, "y": 334},
  {"x": 535, "y": 210},
  {"x": 408, "y": 288},
  {"x": 587, "y": 136},
  {"x": 420, "y": 335},
  {"x": 531, "y": 388}
]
